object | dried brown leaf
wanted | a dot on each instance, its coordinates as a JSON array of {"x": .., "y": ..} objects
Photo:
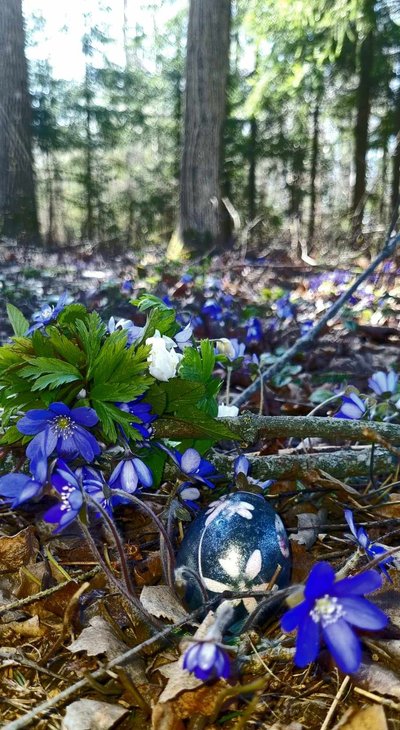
[
  {"x": 163, "y": 718},
  {"x": 91, "y": 715},
  {"x": 378, "y": 679},
  {"x": 18, "y": 550},
  {"x": 161, "y": 602},
  {"x": 307, "y": 529},
  {"x": 368, "y": 718},
  {"x": 179, "y": 679},
  {"x": 30, "y": 628},
  {"x": 98, "y": 638}
]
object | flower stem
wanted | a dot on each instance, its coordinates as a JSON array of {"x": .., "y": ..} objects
[
  {"x": 228, "y": 385},
  {"x": 131, "y": 598},
  {"x": 170, "y": 563}
]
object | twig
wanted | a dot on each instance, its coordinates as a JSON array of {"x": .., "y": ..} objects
[
  {"x": 390, "y": 246},
  {"x": 338, "y": 464},
  {"x": 335, "y": 702},
  {"x": 29, "y": 717},
  {"x": 21, "y": 602},
  {"x": 251, "y": 427}
]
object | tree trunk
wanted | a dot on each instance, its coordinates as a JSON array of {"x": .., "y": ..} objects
[
  {"x": 89, "y": 225},
  {"x": 313, "y": 172},
  {"x": 18, "y": 216},
  {"x": 395, "y": 192},
  {"x": 364, "y": 93},
  {"x": 252, "y": 156},
  {"x": 200, "y": 221}
]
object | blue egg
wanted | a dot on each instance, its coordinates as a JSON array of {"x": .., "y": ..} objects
[{"x": 236, "y": 544}]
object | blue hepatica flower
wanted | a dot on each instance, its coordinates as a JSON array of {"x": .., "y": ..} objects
[
  {"x": 130, "y": 474},
  {"x": 94, "y": 484},
  {"x": 141, "y": 411},
  {"x": 206, "y": 660},
  {"x": 65, "y": 482},
  {"x": 242, "y": 466},
  {"x": 184, "y": 336},
  {"x": 132, "y": 330},
  {"x": 192, "y": 465},
  {"x": 254, "y": 330},
  {"x": 232, "y": 349},
  {"x": 353, "y": 407},
  {"x": 212, "y": 309},
  {"x": 58, "y": 429},
  {"x": 18, "y": 488},
  {"x": 188, "y": 494},
  {"x": 331, "y": 611},
  {"x": 372, "y": 550},
  {"x": 285, "y": 309},
  {"x": 382, "y": 383},
  {"x": 47, "y": 314},
  {"x": 306, "y": 326}
]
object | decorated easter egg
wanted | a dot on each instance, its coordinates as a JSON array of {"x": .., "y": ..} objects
[{"x": 236, "y": 544}]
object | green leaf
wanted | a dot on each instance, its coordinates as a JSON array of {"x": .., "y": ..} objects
[
  {"x": 198, "y": 365},
  {"x": 91, "y": 332},
  {"x": 148, "y": 301},
  {"x": 49, "y": 372},
  {"x": 182, "y": 393},
  {"x": 17, "y": 320},
  {"x": 111, "y": 416},
  {"x": 123, "y": 392},
  {"x": 11, "y": 436},
  {"x": 67, "y": 349},
  {"x": 192, "y": 424},
  {"x": 71, "y": 313}
]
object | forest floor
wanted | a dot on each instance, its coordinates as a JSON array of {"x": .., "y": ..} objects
[{"x": 61, "y": 621}]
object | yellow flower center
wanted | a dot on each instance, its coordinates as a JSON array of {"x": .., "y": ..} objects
[
  {"x": 327, "y": 610},
  {"x": 63, "y": 425}
]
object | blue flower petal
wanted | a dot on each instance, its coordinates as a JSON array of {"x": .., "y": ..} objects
[
  {"x": 33, "y": 423},
  {"x": 343, "y": 644},
  {"x": 362, "y": 613},
  {"x": 295, "y": 616},
  {"x": 143, "y": 472},
  {"x": 320, "y": 581},
  {"x": 307, "y": 644},
  {"x": 59, "y": 409},
  {"x": 18, "y": 488},
  {"x": 190, "y": 461},
  {"x": 357, "y": 585},
  {"x": 86, "y": 444},
  {"x": 85, "y": 416}
]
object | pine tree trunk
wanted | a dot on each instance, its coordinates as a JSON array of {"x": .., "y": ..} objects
[
  {"x": 252, "y": 184},
  {"x": 364, "y": 93},
  {"x": 313, "y": 172},
  {"x": 395, "y": 192},
  {"x": 200, "y": 223},
  {"x": 18, "y": 216}
]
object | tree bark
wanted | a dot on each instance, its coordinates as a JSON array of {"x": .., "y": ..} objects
[
  {"x": 364, "y": 93},
  {"x": 200, "y": 220},
  {"x": 313, "y": 171},
  {"x": 18, "y": 215},
  {"x": 395, "y": 192},
  {"x": 252, "y": 157}
]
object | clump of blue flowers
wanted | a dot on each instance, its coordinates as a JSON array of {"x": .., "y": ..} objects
[
  {"x": 332, "y": 611},
  {"x": 371, "y": 549},
  {"x": 82, "y": 401}
]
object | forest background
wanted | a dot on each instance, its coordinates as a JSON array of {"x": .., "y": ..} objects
[{"x": 304, "y": 147}]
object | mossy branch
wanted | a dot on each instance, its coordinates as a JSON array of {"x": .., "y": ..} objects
[
  {"x": 251, "y": 427},
  {"x": 338, "y": 464}
]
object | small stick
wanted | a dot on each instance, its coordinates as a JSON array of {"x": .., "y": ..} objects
[
  {"x": 389, "y": 248},
  {"x": 335, "y": 702}
]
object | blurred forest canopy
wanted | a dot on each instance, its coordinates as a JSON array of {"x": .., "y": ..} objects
[{"x": 309, "y": 124}]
